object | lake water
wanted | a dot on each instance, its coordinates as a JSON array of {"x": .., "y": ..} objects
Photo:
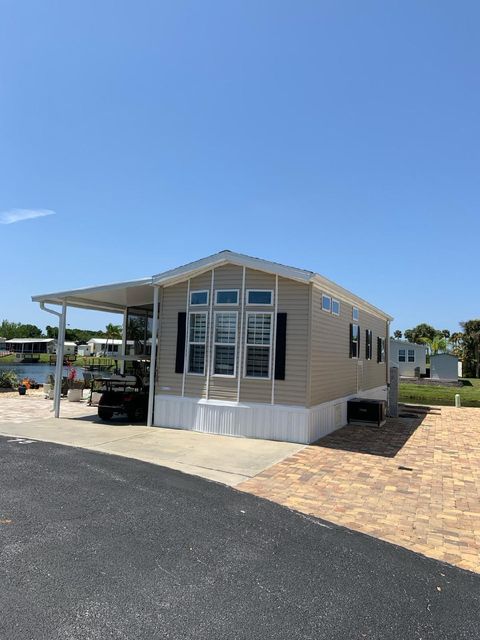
[{"x": 38, "y": 371}]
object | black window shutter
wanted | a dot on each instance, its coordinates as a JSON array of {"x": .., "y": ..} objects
[
  {"x": 367, "y": 342},
  {"x": 359, "y": 333},
  {"x": 181, "y": 331},
  {"x": 379, "y": 350},
  {"x": 280, "y": 346},
  {"x": 351, "y": 340}
]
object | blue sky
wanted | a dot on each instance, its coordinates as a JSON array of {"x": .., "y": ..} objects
[{"x": 338, "y": 136}]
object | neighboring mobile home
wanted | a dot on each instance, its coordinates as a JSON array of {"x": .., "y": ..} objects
[
  {"x": 249, "y": 347},
  {"x": 30, "y": 346},
  {"x": 408, "y": 357},
  {"x": 104, "y": 347}
]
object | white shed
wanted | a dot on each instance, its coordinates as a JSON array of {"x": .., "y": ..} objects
[
  {"x": 408, "y": 356},
  {"x": 444, "y": 366}
]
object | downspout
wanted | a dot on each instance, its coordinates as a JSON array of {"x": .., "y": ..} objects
[
  {"x": 62, "y": 318},
  {"x": 153, "y": 358}
]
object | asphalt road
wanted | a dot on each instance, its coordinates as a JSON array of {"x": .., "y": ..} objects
[{"x": 94, "y": 546}]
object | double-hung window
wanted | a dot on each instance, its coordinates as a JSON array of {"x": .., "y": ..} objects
[
  {"x": 225, "y": 343},
  {"x": 258, "y": 345},
  {"x": 197, "y": 337},
  {"x": 335, "y": 307},
  {"x": 355, "y": 314},
  {"x": 411, "y": 355},
  {"x": 401, "y": 355}
]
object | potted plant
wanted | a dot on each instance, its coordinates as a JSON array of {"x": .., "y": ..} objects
[
  {"x": 74, "y": 394},
  {"x": 23, "y": 386}
]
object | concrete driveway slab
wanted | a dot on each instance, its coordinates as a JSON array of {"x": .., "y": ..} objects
[{"x": 220, "y": 458}]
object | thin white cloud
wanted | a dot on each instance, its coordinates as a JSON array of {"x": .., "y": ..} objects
[{"x": 17, "y": 215}]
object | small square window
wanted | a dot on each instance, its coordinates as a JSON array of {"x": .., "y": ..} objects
[
  {"x": 326, "y": 303},
  {"x": 335, "y": 307},
  {"x": 226, "y": 296},
  {"x": 198, "y": 298},
  {"x": 355, "y": 314},
  {"x": 259, "y": 297}
]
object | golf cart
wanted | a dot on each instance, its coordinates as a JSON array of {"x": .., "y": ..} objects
[{"x": 125, "y": 393}]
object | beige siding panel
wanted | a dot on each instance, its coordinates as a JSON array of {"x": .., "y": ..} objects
[
  {"x": 333, "y": 373},
  {"x": 174, "y": 300},
  {"x": 293, "y": 299}
]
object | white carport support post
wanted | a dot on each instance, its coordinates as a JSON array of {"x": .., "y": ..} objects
[
  {"x": 62, "y": 323},
  {"x": 57, "y": 390},
  {"x": 123, "y": 348},
  {"x": 153, "y": 358}
]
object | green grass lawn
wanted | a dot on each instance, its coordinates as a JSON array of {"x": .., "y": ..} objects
[{"x": 419, "y": 394}]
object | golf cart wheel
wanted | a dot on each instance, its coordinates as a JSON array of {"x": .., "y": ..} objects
[{"x": 105, "y": 414}]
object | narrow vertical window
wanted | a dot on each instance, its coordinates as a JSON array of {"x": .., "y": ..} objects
[
  {"x": 326, "y": 303},
  {"x": 411, "y": 355},
  {"x": 355, "y": 314},
  {"x": 258, "y": 345},
  {"x": 401, "y": 355},
  {"x": 354, "y": 340},
  {"x": 225, "y": 344},
  {"x": 381, "y": 350},
  {"x": 197, "y": 337},
  {"x": 368, "y": 344}
]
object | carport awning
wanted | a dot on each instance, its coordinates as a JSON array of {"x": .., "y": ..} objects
[{"x": 110, "y": 297}]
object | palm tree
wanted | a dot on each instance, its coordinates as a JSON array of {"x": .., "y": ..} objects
[
  {"x": 397, "y": 334},
  {"x": 112, "y": 332},
  {"x": 437, "y": 344}
]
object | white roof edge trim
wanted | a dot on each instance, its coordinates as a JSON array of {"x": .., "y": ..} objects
[
  {"x": 46, "y": 297},
  {"x": 336, "y": 290},
  {"x": 229, "y": 257}
]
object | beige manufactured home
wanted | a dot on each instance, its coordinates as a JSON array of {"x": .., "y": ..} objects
[{"x": 249, "y": 347}]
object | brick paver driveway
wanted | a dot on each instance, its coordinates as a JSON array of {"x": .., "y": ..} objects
[{"x": 416, "y": 482}]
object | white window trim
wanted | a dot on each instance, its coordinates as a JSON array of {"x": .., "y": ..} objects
[
  {"x": 227, "y": 304},
  {"x": 246, "y": 345},
  {"x": 201, "y": 375},
  {"x": 357, "y": 318},
  {"x": 325, "y": 295},
  {"x": 203, "y": 304},
  {"x": 228, "y": 344},
  {"x": 338, "y": 302},
  {"x": 260, "y": 304}
]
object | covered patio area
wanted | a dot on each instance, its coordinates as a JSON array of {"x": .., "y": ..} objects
[{"x": 137, "y": 302}]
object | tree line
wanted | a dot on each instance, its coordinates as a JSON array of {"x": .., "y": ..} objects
[
  {"x": 463, "y": 344},
  {"x": 9, "y": 330}
]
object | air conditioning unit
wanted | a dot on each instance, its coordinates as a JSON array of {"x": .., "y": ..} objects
[{"x": 364, "y": 411}]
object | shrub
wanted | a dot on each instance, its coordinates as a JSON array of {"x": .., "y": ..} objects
[{"x": 8, "y": 380}]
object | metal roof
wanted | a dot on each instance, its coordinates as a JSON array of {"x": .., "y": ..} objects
[{"x": 136, "y": 293}]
